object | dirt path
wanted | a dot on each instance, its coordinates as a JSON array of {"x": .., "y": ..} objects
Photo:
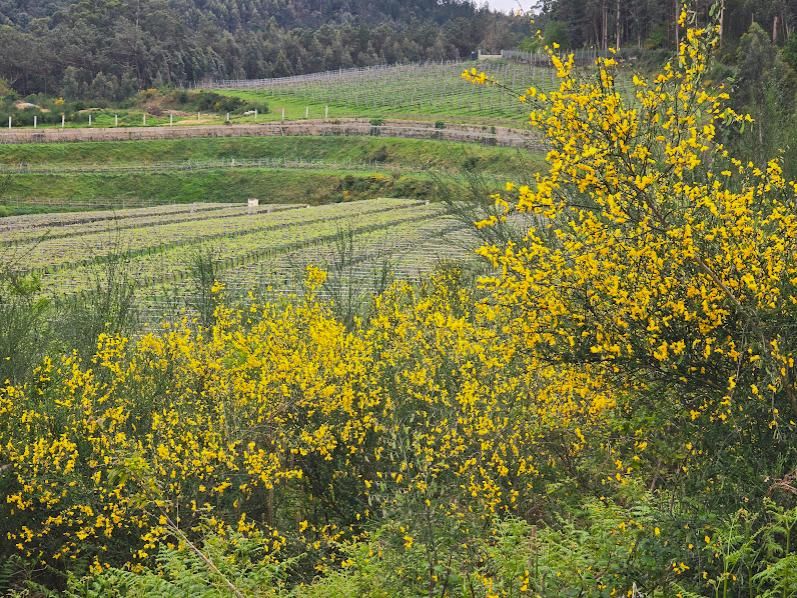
[{"x": 499, "y": 136}]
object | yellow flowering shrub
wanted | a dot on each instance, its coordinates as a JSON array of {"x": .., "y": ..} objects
[
  {"x": 154, "y": 438},
  {"x": 660, "y": 258}
]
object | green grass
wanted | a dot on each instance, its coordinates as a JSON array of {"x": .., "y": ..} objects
[
  {"x": 428, "y": 92},
  {"x": 408, "y": 161},
  {"x": 270, "y": 185},
  {"x": 405, "y": 153}
]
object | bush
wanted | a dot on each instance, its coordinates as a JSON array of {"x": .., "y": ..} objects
[{"x": 380, "y": 155}]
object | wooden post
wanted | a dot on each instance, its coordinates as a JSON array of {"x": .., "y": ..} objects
[
  {"x": 171, "y": 120},
  {"x": 145, "y": 119},
  {"x": 283, "y": 114}
]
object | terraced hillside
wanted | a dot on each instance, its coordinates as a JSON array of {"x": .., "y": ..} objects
[{"x": 48, "y": 177}]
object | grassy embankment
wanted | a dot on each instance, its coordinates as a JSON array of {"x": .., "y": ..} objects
[{"x": 352, "y": 168}]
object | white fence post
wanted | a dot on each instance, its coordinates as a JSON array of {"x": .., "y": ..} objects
[
  {"x": 307, "y": 112},
  {"x": 115, "y": 120},
  {"x": 145, "y": 119},
  {"x": 35, "y": 122},
  {"x": 171, "y": 120},
  {"x": 89, "y": 119},
  {"x": 283, "y": 114},
  {"x": 326, "y": 112},
  {"x": 9, "y": 122},
  {"x": 63, "y": 121}
]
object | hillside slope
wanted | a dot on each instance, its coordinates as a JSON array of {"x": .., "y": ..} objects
[{"x": 106, "y": 50}]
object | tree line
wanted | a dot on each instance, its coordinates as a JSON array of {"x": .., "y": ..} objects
[
  {"x": 653, "y": 23},
  {"x": 103, "y": 49}
]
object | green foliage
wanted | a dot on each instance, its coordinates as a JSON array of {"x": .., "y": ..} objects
[
  {"x": 790, "y": 52},
  {"x": 766, "y": 86},
  {"x": 23, "y": 315},
  {"x": 156, "y": 101},
  {"x": 75, "y": 46},
  {"x": 211, "y": 571},
  {"x": 556, "y": 32},
  {"x": 108, "y": 307}
]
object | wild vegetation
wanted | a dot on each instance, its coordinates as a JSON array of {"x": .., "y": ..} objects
[
  {"x": 608, "y": 408},
  {"x": 600, "y": 400}
]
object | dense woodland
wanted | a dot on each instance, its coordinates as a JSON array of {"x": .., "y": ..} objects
[
  {"x": 103, "y": 49},
  {"x": 651, "y": 23},
  {"x": 756, "y": 59}
]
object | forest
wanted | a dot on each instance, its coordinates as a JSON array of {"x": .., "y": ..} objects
[
  {"x": 651, "y": 24},
  {"x": 103, "y": 49}
]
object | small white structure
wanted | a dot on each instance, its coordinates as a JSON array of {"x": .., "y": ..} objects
[{"x": 486, "y": 56}]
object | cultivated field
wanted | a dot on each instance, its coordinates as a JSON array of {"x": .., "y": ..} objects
[
  {"x": 423, "y": 91},
  {"x": 260, "y": 249}
]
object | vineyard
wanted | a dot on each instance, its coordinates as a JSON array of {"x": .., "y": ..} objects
[
  {"x": 263, "y": 249},
  {"x": 424, "y": 90}
]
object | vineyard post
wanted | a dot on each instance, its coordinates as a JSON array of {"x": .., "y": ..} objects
[
  {"x": 171, "y": 120},
  {"x": 255, "y": 113},
  {"x": 326, "y": 112},
  {"x": 199, "y": 116},
  {"x": 283, "y": 114},
  {"x": 63, "y": 121},
  {"x": 89, "y": 119},
  {"x": 35, "y": 122},
  {"x": 228, "y": 117},
  {"x": 307, "y": 112},
  {"x": 145, "y": 119},
  {"x": 9, "y": 122},
  {"x": 115, "y": 120}
]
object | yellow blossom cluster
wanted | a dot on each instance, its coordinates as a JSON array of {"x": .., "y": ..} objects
[
  {"x": 477, "y": 77},
  {"x": 659, "y": 255},
  {"x": 191, "y": 427}
]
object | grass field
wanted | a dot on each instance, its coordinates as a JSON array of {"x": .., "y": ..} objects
[
  {"x": 70, "y": 176},
  {"x": 409, "y": 153},
  {"x": 162, "y": 216}
]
